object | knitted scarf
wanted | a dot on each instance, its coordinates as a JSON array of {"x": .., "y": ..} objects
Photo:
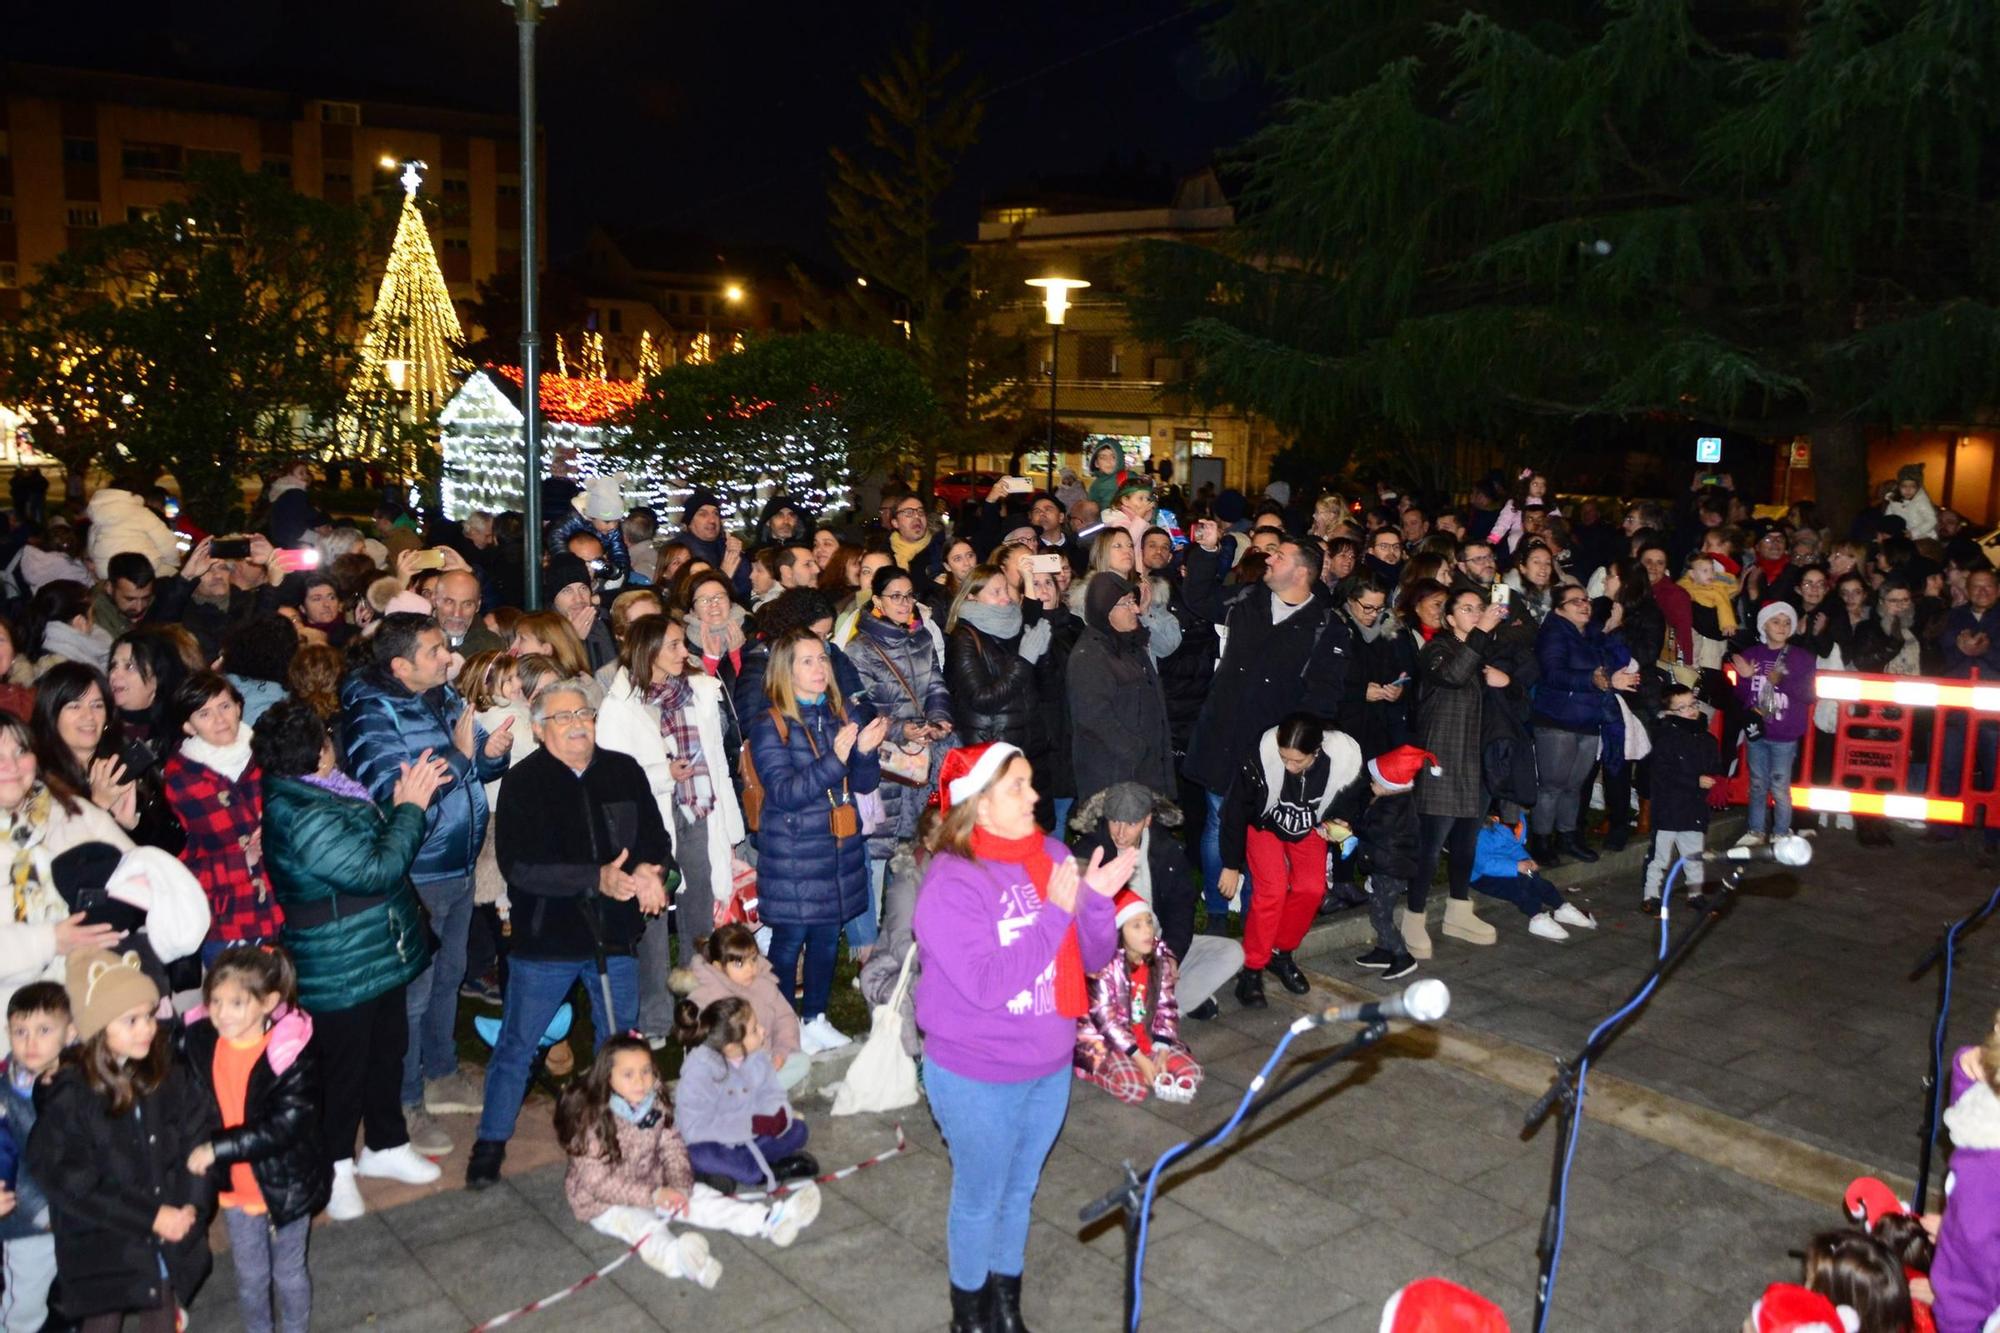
[
  {"x": 674, "y": 697},
  {"x": 229, "y": 760},
  {"x": 1072, "y": 991},
  {"x": 905, "y": 550},
  {"x": 1718, "y": 596},
  {"x": 24, "y": 830}
]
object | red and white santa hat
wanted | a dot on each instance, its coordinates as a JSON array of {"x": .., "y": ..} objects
[
  {"x": 1397, "y": 769},
  {"x": 964, "y": 773},
  {"x": 1130, "y": 905},
  {"x": 1786, "y": 1307},
  {"x": 1867, "y": 1200},
  {"x": 1433, "y": 1305}
]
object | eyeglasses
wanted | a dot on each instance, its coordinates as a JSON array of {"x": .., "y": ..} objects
[
  {"x": 572, "y": 715},
  {"x": 1368, "y": 608},
  {"x": 713, "y": 599},
  {"x": 905, "y": 513},
  {"x": 899, "y": 597}
]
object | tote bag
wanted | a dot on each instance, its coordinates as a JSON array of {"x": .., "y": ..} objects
[{"x": 882, "y": 1077}]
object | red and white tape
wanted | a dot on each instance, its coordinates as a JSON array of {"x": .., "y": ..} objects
[{"x": 535, "y": 1306}]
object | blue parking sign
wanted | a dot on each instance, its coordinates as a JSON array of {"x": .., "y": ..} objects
[{"x": 1708, "y": 449}]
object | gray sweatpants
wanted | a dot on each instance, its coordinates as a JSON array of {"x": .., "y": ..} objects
[
  {"x": 270, "y": 1258},
  {"x": 694, "y": 919},
  {"x": 1668, "y": 845},
  {"x": 1563, "y": 760},
  {"x": 1211, "y": 960}
]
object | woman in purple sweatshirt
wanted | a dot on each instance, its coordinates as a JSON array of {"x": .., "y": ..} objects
[
  {"x": 1775, "y": 684},
  {"x": 1008, "y": 928}
]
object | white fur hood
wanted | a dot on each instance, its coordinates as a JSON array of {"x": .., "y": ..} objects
[{"x": 1343, "y": 755}]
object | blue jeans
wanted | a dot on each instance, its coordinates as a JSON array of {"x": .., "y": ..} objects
[
  {"x": 999, "y": 1135},
  {"x": 1771, "y": 776},
  {"x": 1211, "y": 864},
  {"x": 1064, "y": 804},
  {"x": 431, "y": 1000},
  {"x": 820, "y": 944},
  {"x": 863, "y": 930},
  {"x": 536, "y": 988}
]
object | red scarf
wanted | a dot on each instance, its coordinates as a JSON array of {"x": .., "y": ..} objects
[
  {"x": 1031, "y": 854},
  {"x": 1773, "y": 568}
]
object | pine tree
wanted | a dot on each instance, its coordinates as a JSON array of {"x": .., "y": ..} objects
[
  {"x": 1767, "y": 217},
  {"x": 890, "y": 227},
  {"x": 408, "y": 366}
]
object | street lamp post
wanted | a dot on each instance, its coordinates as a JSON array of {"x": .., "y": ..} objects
[
  {"x": 1055, "y": 304},
  {"x": 527, "y": 15}
]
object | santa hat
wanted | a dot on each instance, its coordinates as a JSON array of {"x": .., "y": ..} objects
[
  {"x": 1130, "y": 905},
  {"x": 1786, "y": 1308},
  {"x": 1772, "y": 609},
  {"x": 1868, "y": 1200},
  {"x": 964, "y": 773},
  {"x": 1433, "y": 1305},
  {"x": 1397, "y": 769}
]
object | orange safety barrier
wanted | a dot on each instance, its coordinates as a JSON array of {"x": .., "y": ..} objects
[{"x": 1890, "y": 746}]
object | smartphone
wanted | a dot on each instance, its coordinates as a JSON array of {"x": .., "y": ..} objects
[
  {"x": 1502, "y": 594},
  {"x": 1401, "y": 680},
  {"x": 1045, "y": 564},
  {"x": 230, "y": 548},
  {"x": 296, "y": 562},
  {"x": 173, "y": 507},
  {"x": 428, "y": 559},
  {"x": 597, "y": 567},
  {"x": 1016, "y": 485}
]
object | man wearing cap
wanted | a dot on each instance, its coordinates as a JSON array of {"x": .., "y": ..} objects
[
  {"x": 1124, "y": 816},
  {"x": 572, "y": 591},
  {"x": 600, "y": 509},
  {"x": 392, "y": 715}
]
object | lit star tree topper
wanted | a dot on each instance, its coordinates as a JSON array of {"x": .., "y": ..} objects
[{"x": 408, "y": 365}]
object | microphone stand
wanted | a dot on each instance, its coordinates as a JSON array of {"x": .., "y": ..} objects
[
  {"x": 1563, "y": 1095},
  {"x": 1946, "y": 949},
  {"x": 1133, "y": 1196}
]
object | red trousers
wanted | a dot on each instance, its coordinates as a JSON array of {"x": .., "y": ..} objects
[{"x": 1287, "y": 882}]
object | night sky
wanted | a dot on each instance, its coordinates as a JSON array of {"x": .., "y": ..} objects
[{"x": 713, "y": 117}]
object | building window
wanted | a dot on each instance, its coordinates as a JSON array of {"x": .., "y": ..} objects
[
  {"x": 279, "y": 167},
  {"x": 694, "y": 305},
  {"x": 4, "y": 149},
  {"x": 340, "y": 113},
  {"x": 673, "y": 303},
  {"x": 83, "y": 215},
  {"x": 457, "y": 243},
  {"x": 152, "y": 161},
  {"x": 507, "y": 194},
  {"x": 6, "y": 211},
  {"x": 616, "y": 318},
  {"x": 457, "y": 185},
  {"x": 10, "y": 276},
  {"x": 215, "y": 157},
  {"x": 81, "y": 152},
  {"x": 1013, "y": 216},
  {"x": 337, "y": 187},
  {"x": 1094, "y": 359}
]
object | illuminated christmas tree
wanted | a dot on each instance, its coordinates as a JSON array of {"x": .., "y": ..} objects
[
  {"x": 408, "y": 365},
  {"x": 592, "y": 367},
  {"x": 649, "y": 357}
]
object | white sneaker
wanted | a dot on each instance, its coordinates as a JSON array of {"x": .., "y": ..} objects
[
  {"x": 402, "y": 1163},
  {"x": 697, "y": 1265},
  {"x": 346, "y": 1203},
  {"x": 1569, "y": 914},
  {"x": 791, "y": 1214},
  {"x": 1544, "y": 925},
  {"x": 1750, "y": 840},
  {"x": 819, "y": 1034}
]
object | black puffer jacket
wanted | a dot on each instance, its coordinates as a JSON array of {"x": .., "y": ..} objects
[
  {"x": 1055, "y": 772},
  {"x": 279, "y": 1137},
  {"x": 1187, "y": 673},
  {"x": 993, "y": 691},
  {"x": 106, "y": 1180}
]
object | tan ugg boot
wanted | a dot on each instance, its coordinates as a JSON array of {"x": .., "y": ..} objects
[
  {"x": 1416, "y": 939},
  {"x": 1461, "y": 924}
]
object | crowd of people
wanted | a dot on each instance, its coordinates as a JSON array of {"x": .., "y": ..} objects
[{"x": 1090, "y": 762}]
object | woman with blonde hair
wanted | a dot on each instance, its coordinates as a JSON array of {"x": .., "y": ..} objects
[
  {"x": 549, "y": 634},
  {"x": 812, "y": 866},
  {"x": 496, "y": 685}
]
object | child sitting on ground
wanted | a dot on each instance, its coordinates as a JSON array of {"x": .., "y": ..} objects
[
  {"x": 1130, "y": 1043},
  {"x": 730, "y": 963},
  {"x": 1874, "y": 1207},
  {"x": 1387, "y": 854},
  {"x": 1685, "y": 764},
  {"x": 38, "y": 1027},
  {"x": 252, "y": 1048},
  {"x": 1965, "y": 1275},
  {"x": 732, "y": 1111},
  {"x": 629, "y": 1170},
  {"x": 1856, "y": 1272},
  {"x": 1502, "y": 868}
]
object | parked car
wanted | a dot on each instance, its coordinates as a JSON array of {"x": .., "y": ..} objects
[{"x": 962, "y": 488}]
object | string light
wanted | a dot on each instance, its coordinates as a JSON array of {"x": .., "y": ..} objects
[
  {"x": 649, "y": 356},
  {"x": 591, "y": 362},
  {"x": 408, "y": 360},
  {"x": 698, "y": 350},
  {"x": 562, "y": 357}
]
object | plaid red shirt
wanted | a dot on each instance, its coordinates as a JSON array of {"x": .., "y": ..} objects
[{"x": 220, "y": 816}]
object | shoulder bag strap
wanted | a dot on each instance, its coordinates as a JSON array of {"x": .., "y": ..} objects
[
  {"x": 806, "y": 730},
  {"x": 903, "y": 977},
  {"x": 890, "y": 662}
]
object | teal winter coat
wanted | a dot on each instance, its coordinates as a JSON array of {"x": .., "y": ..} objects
[{"x": 341, "y": 869}]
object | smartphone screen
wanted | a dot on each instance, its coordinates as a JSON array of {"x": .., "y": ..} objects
[{"x": 230, "y": 548}]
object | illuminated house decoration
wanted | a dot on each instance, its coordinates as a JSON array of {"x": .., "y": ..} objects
[
  {"x": 584, "y": 435},
  {"x": 408, "y": 365}
]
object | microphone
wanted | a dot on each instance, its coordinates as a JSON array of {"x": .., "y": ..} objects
[
  {"x": 1791, "y": 849},
  {"x": 1424, "y": 1002}
]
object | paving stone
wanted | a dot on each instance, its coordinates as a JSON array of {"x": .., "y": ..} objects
[
  {"x": 869, "y": 1277},
  {"x": 1451, "y": 1218},
  {"x": 1241, "y": 1283}
]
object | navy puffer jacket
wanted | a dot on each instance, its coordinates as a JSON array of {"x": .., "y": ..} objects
[
  {"x": 1567, "y": 697},
  {"x": 384, "y": 726},
  {"x": 804, "y": 876}
]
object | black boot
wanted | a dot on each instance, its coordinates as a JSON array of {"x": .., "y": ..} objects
[
  {"x": 1543, "y": 850},
  {"x": 1572, "y": 843},
  {"x": 1617, "y": 836},
  {"x": 1287, "y": 972},
  {"x": 482, "y": 1168},
  {"x": 971, "y": 1311},
  {"x": 1250, "y": 989},
  {"x": 1205, "y": 1011},
  {"x": 1005, "y": 1293}
]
